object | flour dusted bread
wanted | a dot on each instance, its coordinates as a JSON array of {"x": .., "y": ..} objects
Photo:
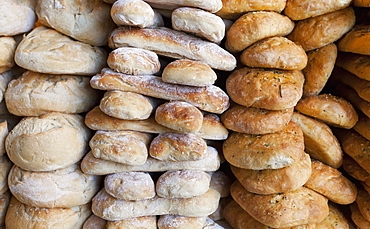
[
  {"x": 133, "y": 13},
  {"x": 209, "y": 5},
  {"x": 34, "y": 94},
  {"x": 59, "y": 140},
  {"x": 178, "y": 222},
  {"x": 48, "y": 51},
  {"x": 7, "y": 49},
  {"x": 147, "y": 222},
  {"x": 356, "y": 40}
]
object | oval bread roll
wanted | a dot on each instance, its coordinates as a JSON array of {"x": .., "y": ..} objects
[
  {"x": 133, "y": 13},
  {"x": 147, "y": 222},
  {"x": 356, "y": 40},
  {"x": 7, "y": 50},
  {"x": 169, "y": 221}
]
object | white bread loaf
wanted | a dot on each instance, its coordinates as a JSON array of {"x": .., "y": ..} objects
[{"x": 7, "y": 50}]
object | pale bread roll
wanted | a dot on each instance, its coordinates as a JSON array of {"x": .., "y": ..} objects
[
  {"x": 35, "y": 94},
  {"x": 274, "y": 52},
  {"x": 126, "y": 147},
  {"x": 5, "y": 78},
  {"x": 299, "y": 10},
  {"x": 356, "y": 40},
  {"x": 48, "y": 51},
  {"x": 209, "y": 5},
  {"x": 267, "y": 151},
  {"x": 319, "y": 67},
  {"x": 330, "y": 183},
  {"x": 132, "y": 13},
  {"x": 17, "y": 17},
  {"x": 269, "y": 89},
  {"x": 5, "y": 165},
  {"x": 147, "y": 222},
  {"x": 95, "y": 166},
  {"x": 4, "y": 131},
  {"x": 130, "y": 186},
  {"x": 134, "y": 61},
  {"x": 358, "y": 218},
  {"x": 182, "y": 184},
  {"x": 331, "y": 109},
  {"x": 180, "y": 116},
  {"x": 61, "y": 188},
  {"x": 198, "y": 22},
  {"x": 110, "y": 208},
  {"x": 180, "y": 222},
  {"x": 319, "y": 140},
  {"x": 177, "y": 147},
  {"x": 86, "y": 21},
  {"x": 212, "y": 98},
  {"x": 251, "y": 120},
  {"x": 362, "y": 200},
  {"x": 288, "y": 209},
  {"x": 273, "y": 181},
  {"x": 254, "y": 26},
  {"x": 20, "y": 216},
  {"x": 48, "y": 142},
  {"x": 221, "y": 183},
  {"x": 94, "y": 222},
  {"x": 316, "y": 32},
  {"x": 189, "y": 72},
  {"x": 357, "y": 64},
  {"x": 335, "y": 219},
  {"x": 4, "y": 205},
  {"x": 7, "y": 50},
  {"x": 174, "y": 44}
]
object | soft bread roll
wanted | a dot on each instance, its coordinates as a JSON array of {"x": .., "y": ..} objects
[
  {"x": 273, "y": 181},
  {"x": 126, "y": 147},
  {"x": 268, "y": 151},
  {"x": 362, "y": 200},
  {"x": 147, "y": 222},
  {"x": 174, "y": 44},
  {"x": 48, "y": 51},
  {"x": 198, "y": 22},
  {"x": 189, "y": 72},
  {"x": 5, "y": 78},
  {"x": 299, "y": 10},
  {"x": 355, "y": 170},
  {"x": 335, "y": 219},
  {"x": 61, "y": 188},
  {"x": 4, "y": 205},
  {"x": 330, "y": 183},
  {"x": 177, "y": 147},
  {"x": 356, "y": 40},
  {"x": 47, "y": 142},
  {"x": 358, "y": 218},
  {"x": 20, "y": 216},
  {"x": 180, "y": 116},
  {"x": 233, "y": 9},
  {"x": 130, "y": 186},
  {"x": 319, "y": 140},
  {"x": 35, "y": 94},
  {"x": 212, "y": 98},
  {"x": 7, "y": 50},
  {"x": 133, "y": 13},
  {"x": 85, "y": 21},
  {"x": 95, "y": 166},
  {"x": 180, "y": 222},
  {"x": 254, "y": 26},
  {"x": 331, "y": 109},
  {"x": 17, "y": 17},
  {"x": 265, "y": 88},
  {"x": 110, "y": 208},
  {"x": 355, "y": 63},
  {"x": 182, "y": 184},
  {"x": 134, "y": 61},
  {"x": 94, "y": 222},
  {"x": 5, "y": 166},
  {"x": 221, "y": 183},
  {"x": 319, "y": 67},
  {"x": 4, "y": 131},
  {"x": 209, "y": 5},
  {"x": 251, "y": 120},
  {"x": 274, "y": 52},
  {"x": 316, "y": 32},
  {"x": 288, "y": 209}
]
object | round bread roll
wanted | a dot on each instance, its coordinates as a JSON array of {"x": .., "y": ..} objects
[
  {"x": 48, "y": 51},
  {"x": 299, "y": 10},
  {"x": 35, "y": 94},
  {"x": 330, "y": 183},
  {"x": 178, "y": 147},
  {"x": 274, "y": 52},
  {"x": 331, "y": 109},
  {"x": 130, "y": 185},
  {"x": 182, "y": 184},
  {"x": 17, "y": 17},
  {"x": 48, "y": 142},
  {"x": 268, "y": 151},
  {"x": 336, "y": 218},
  {"x": 252, "y": 120},
  {"x": 133, "y": 13},
  {"x": 221, "y": 183},
  {"x": 356, "y": 40},
  {"x": 319, "y": 67},
  {"x": 362, "y": 200},
  {"x": 20, "y": 216},
  {"x": 94, "y": 222},
  {"x": 126, "y": 147},
  {"x": 273, "y": 181},
  {"x": 134, "y": 61},
  {"x": 209, "y": 5},
  {"x": 189, "y": 72},
  {"x": 60, "y": 188},
  {"x": 316, "y": 32},
  {"x": 254, "y": 26},
  {"x": 198, "y": 22},
  {"x": 5, "y": 78},
  {"x": 180, "y": 116},
  {"x": 147, "y": 222},
  {"x": 5, "y": 166},
  {"x": 178, "y": 222},
  {"x": 7, "y": 50},
  {"x": 269, "y": 89},
  {"x": 4, "y": 205}
]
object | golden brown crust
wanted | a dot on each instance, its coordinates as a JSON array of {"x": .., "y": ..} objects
[
  {"x": 335, "y": 219},
  {"x": 265, "y": 88},
  {"x": 274, "y": 52},
  {"x": 331, "y": 109},
  {"x": 351, "y": 96},
  {"x": 362, "y": 126},
  {"x": 356, "y": 40},
  {"x": 354, "y": 169},
  {"x": 357, "y": 64},
  {"x": 316, "y": 32},
  {"x": 268, "y": 151},
  {"x": 363, "y": 200},
  {"x": 361, "y": 3},
  {"x": 358, "y": 218}
]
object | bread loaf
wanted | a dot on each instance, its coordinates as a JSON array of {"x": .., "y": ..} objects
[
  {"x": 132, "y": 13},
  {"x": 363, "y": 198},
  {"x": 178, "y": 222},
  {"x": 355, "y": 170},
  {"x": 335, "y": 218},
  {"x": 147, "y": 222}
]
